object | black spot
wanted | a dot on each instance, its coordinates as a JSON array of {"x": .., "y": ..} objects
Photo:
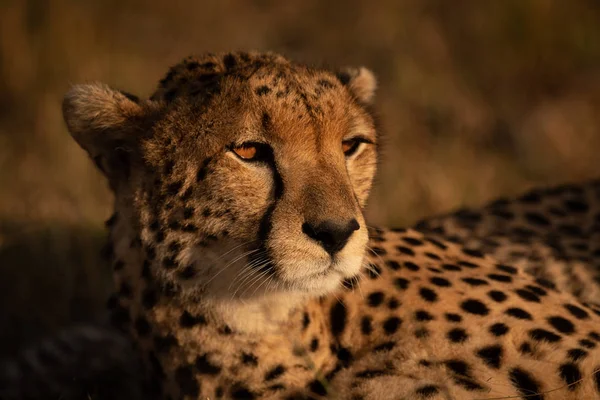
[
  {"x": 423, "y": 315},
  {"x": 275, "y": 373},
  {"x": 391, "y": 325},
  {"x": 186, "y": 381},
  {"x": 545, "y": 283},
  {"x": 205, "y": 367},
  {"x": 393, "y": 303},
  {"x": 518, "y": 313},
  {"x": 457, "y": 335},
  {"x": 225, "y": 330},
  {"x": 344, "y": 355},
  {"x": 174, "y": 188},
  {"x": 498, "y": 329},
  {"x": 507, "y": 268},
  {"x": 427, "y": 391},
  {"x": 188, "y": 212},
  {"x": 577, "y": 206},
  {"x": 451, "y": 267},
  {"x": 375, "y": 299},
  {"x": 588, "y": 344},
  {"x": 412, "y": 241},
  {"x": 159, "y": 237},
  {"x": 475, "y": 307},
  {"x": 527, "y": 295},
  {"x": 432, "y": 256},
  {"x": 562, "y": 325},
  {"x": 500, "y": 277},
  {"x": 188, "y": 320},
  {"x": 428, "y": 294},
  {"x": 595, "y": 336},
  {"x": 411, "y": 266},
  {"x": 497, "y": 295},
  {"x": 597, "y": 378},
  {"x": 542, "y": 334},
  {"x": 187, "y": 273},
  {"x": 229, "y": 61},
  {"x": 577, "y": 312},
  {"x": 317, "y": 388},
  {"x": 405, "y": 250},
  {"x": 338, "y": 317},
  {"x": 305, "y": 320},
  {"x": 473, "y": 253},
  {"x": 249, "y": 359},
  {"x": 537, "y": 290},
  {"x": 401, "y": 283},
  {"x": 240, "y": 392},
  {"x": 525, "y": 348},
  {"x": 437, "y": 244},
  {"x": 458, "y": 367},
  {"x": 440, "y": 282},
  {"x": 475, "y": 281},
  {"x": 343, "y": 77},
  {"x": 366, "y": 325},
  {"x": 453, "y": 317},
  {"x": 314, "y": 344},
  {"x": 571, "y": 374},
  {"x": 537, "y": 219},
  {"x": 393, "y": 265},
  {"x": 577, "y": 354},
  {"x": 263, "y": 90},
  {"x": 491, "y": 355},
  {"x": 468, "y": 264}
]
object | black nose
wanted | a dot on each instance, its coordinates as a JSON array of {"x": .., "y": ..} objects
[{"x": 332, "y": 235}]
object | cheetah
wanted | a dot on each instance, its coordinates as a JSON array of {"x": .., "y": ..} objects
[
  {"x": 552, "y": 233},
  {"x": 244, "y": 268}
]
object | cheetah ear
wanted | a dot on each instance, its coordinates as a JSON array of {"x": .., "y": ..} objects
[
  {"x": 106, "y": 123},
  {"x": 361, "y": 82}
]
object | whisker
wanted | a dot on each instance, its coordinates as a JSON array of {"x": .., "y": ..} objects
[{"x": 230, "y": 263}]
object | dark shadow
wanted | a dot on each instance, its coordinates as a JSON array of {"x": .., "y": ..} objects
[{"x": 50, "y": 276}]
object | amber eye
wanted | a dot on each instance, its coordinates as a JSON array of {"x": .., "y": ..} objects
[
  {"x": 253, "y": 151},
  {"x": 350, "y": 146},
  {"x": 246, "y": 151}
]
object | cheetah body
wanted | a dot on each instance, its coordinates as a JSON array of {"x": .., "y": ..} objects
[{"x": 235, "y": 283}]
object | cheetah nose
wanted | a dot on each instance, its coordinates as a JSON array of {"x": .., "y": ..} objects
[{"x": 331, "y": 235}]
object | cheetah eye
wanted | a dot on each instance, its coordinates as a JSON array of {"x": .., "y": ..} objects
[
  {"x": 350, "y": 146},
  {"x": 252, "y": 151}
]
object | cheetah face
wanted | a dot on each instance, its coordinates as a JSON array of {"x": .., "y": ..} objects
[{"x": 245, "y": 174}]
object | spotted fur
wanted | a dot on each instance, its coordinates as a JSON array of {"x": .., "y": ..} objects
[
  {"x": 552, "y": 233},
  {"x": 255, "y": 280}
]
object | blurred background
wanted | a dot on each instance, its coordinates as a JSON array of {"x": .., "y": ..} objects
[{"x": 477, "y": 99}]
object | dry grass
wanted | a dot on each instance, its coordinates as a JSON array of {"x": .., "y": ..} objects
[{"x": 478, "y": 99}]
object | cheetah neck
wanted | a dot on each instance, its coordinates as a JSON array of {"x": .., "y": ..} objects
[{"x": 268, "y": 314}]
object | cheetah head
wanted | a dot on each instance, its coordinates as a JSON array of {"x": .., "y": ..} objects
[{"x": 243, "y": 174}]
